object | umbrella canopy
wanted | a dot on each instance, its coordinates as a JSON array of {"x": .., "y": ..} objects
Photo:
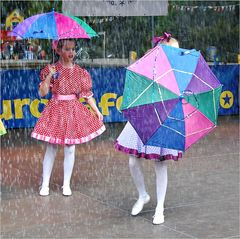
[
  {"x": 171, "y": 97},
  {"x": 53, "y": 25}
]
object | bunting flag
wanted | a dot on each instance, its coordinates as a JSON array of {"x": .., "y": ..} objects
[
  {"x": 229, "y": 8},
  {"x": 99, "y": 20}
]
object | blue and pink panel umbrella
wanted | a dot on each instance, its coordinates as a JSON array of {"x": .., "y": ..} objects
[
  {"x": 53, "y": 25},
  {"x": 171, "y": 97}
]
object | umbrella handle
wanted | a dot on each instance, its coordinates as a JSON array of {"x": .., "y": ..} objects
[
  {"x": 56, "y": 75},
  {"x": 186, "y": 93},
  {"x": 181, "y": 97}
]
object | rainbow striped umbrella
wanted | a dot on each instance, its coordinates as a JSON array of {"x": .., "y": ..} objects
[
  {"x": 171, "y": 97},
  {"x": 53, "y": 25}
]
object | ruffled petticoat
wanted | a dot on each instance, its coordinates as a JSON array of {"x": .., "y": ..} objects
[{"x": 129, "y": 142}]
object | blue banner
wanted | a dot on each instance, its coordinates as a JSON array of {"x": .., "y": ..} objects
[
  {"x": 228, "y": 75},
  {"x": 21, "y": 105}
]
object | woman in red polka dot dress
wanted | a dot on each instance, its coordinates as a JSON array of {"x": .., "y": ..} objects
[{"x": 65, "y": 120}]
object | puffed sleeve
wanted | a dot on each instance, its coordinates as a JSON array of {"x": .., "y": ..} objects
[
  {"x": 43, "y": 74},
  {"x": 85, "y": 85}
]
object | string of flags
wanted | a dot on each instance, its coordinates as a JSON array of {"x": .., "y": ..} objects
[
  {"x": 96, "y": 20},
  {"x": 223, "y": 8}
]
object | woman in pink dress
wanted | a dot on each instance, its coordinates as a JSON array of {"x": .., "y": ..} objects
[
  {"x": 129, "y": 142},
  {"x": 65, "y": 120}
]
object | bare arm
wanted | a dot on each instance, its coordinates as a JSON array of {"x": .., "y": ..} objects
[
  {"x": 91, "y": 102},
  {"x": 45, "y": 86}
]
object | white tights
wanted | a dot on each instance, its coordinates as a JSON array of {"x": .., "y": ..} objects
[
  {"x": 69, "y": 158},
  {"x": 161, "y": 180}
]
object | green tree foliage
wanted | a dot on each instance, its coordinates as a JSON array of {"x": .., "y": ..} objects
[
  {"x": 199, "y": 26},
  {"x": 206, "y": 26}
]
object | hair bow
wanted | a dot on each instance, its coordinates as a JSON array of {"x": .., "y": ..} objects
[{"x": 165, "y": 37}]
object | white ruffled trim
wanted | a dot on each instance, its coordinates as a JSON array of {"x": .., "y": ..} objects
[{"x": 68, "y": 141}]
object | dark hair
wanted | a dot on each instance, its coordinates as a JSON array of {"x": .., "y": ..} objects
[{"x": 60, "y": 44}]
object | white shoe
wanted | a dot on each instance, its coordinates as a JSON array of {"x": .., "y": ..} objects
[
  {"x": 158, "y": 218},
  {"x": 138, "y": 206},
  {"x": 44, "y": 191},
  {"x": 66, "y": 191}
]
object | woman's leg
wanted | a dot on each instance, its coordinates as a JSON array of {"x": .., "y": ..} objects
[
  {"x": 69, "y": 159},
  {"x": 161, "y": 188},
  {"x": 138, "y": 178},
  {"x": 47, "y": 168}
]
